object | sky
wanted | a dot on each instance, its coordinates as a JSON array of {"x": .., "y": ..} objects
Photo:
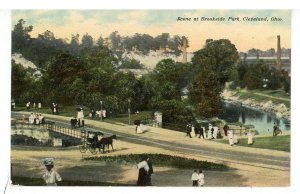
[{"x": 244, "y": 34}]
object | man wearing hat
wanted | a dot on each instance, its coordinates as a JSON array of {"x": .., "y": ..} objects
[{"x": 50, "y": 176}]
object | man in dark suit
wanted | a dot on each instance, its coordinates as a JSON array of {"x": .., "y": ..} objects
[
  {"x": 188, "y": 130},
  {"x": 201, "y": 132}
]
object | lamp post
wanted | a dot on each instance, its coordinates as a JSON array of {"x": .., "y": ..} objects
[
  {"x": 101, "y": 109},
  {"x": 129, "y": 111},
  {"x": 129, "y": 115}
]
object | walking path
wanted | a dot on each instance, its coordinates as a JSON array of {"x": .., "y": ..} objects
[{"x": 248, "y": 161}]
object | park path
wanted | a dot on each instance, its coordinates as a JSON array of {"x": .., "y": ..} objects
[
  {"x": 260, "y": 163},
  {"x": 273, "y": 97}
]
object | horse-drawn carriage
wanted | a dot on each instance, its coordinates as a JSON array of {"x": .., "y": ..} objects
[{"x": 94, "y": 141}]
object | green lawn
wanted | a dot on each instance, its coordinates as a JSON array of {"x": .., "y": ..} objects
[
  {"x": 70, "y": 111},
  {"x": 277, "y": 96},
  {"x": 124, "y": 118},
  {"x": 26, "y": 181},
  {"x": 281, "y": 143}
]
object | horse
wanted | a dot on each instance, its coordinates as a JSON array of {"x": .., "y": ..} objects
[{"x": 106, "y": 141}]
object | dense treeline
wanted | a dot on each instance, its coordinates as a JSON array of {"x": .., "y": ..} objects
[
  {"x": 40, "y": 49},
  {"x": 285, "y": 52},
  {"x": 84, "y": 73},
  {"x": 261, "y": 76}
]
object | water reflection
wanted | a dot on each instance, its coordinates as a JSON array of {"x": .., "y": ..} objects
[{"x": 262, "y": 121}]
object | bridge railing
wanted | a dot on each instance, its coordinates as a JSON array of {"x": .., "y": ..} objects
[{"x": 49, "y": 125}]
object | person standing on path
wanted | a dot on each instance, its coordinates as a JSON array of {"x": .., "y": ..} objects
[
  {"x": 201, "y": 178},
  {"x": 195, "y": 178},
  {"x": 50, "y": 176}
]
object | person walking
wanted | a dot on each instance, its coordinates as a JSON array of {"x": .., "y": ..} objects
[
  {"x": 200, "y": 178},
  {"x": 50, "y": 176},
  {"x": 201, "y": 132},
  {"x": 143, "y": 178},
  {"x": 195, "y": 178},
  {"x": 225, "y": 128},
  {"x": 188, "y": 130}
]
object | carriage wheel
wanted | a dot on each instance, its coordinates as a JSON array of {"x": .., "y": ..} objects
[
  {"x": 93, "y": 150},
  {"x": 82, "y": 148}
]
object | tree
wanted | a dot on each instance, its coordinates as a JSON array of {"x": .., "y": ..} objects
[
  {"x": 175, "y": 113},
  {"x": 169, "y": 76},
  {"x": 254, "y": 52},
  {"x": 219, "y": 56},
  {"x": 161, "y": 41},
  {"x": 74, "y": 44},
  {"x": 20, "y": 36},
  {"x": 19, "y": 80},
  {"x": 87, "y": 41},
  {"x": 131, "y": 64},
  {"x": 256, "y": 76},
  {"x": 115, "y": 40},
  {"x": 176, "y": 44},
  {"x": 65, "y": 77},
  {"x": 204, "y": 93},
  {"x": 100, "y": 41}
]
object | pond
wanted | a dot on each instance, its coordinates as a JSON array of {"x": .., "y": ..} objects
[{"x": 262, "y": 121}]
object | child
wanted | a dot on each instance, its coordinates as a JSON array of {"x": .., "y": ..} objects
[
  {"x": 195, "y": 178},
  {"x": 51, "y": 176}
]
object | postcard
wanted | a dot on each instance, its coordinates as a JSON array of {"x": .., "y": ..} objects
[{"x": 155, "y": 98}]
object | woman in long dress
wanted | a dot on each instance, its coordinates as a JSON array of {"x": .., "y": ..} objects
[
  {"x": 250, "y": 137},
  {"x": 80, "y": 114},
  {"x": 200, "y": 178},
  {"x": 230, "y": 137}
]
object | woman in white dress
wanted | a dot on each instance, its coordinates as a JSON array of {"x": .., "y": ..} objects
[
  {"x": 230, "y": 137},
  {"x": 250, "y": 137},
  {"x": 200, "y": 178},
  {"x": 80, "y": 114}
]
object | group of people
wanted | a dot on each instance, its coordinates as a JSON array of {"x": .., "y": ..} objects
[
  {"x": 212, "y": 132},
  {"x": 36, "y": 119},
  {"x": 197, "y": 178},
  {"x": 33, "y": 105},
  {"x": 145, "y": 172},
  {"x": 99, "y": 114},
  {"x": 76, "y": 123}
]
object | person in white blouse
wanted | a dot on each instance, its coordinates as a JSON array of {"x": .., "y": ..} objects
[
  {"x": 50, "y": 176},
  {"x": 200, "y": 178},
  {"x": 195, "y": 178}
]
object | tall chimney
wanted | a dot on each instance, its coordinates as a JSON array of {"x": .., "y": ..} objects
[
  {"x": 184, "y": 53},
  {"x": 278, "y": 61}
]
